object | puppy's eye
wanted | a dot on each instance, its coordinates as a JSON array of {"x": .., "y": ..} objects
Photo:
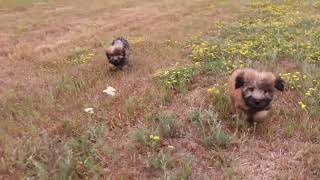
[{"x": 268, "y": 91}]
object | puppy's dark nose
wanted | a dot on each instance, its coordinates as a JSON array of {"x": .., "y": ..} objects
[{"x": 257, "y": 102}]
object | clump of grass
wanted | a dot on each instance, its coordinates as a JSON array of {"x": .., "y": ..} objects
[
  {"x": 220, "y": 100},
  {"x": 80, "y": 57},
  {"x": 140, "y": 136},
  {"x": 289, "y": 117},
  {"x": 309, "y": 102},
  {"x": 176, "y": 78},
  {"x": 145, "y": 140},
  {"x": 71, "y": 127},
  {"x": 213, "y": 136},
  {"x": 165, "y": 96},
  {"x": 135, "y": 39},
  {"x": 171, "y": 43},
  {"x": 229, "y": 172},
  {"x": 132, "y": 104},
  {"x": 77, "y": 157},
  {"x": 185, "y": 171},
  {"x": 30, "y": 155},
  {"x": 66, "y": 86},
  {"x": 18, "y": 110},
  {"x": 159, "y": 161},
  {"x": 168, "y": 125},
  {"x": 194, "y": 116}
]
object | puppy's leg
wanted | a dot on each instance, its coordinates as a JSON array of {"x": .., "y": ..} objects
[
  {"x": 112, "y": 67},
  {"x": 233, "y": 110},
  {"x": 261, "y": 115},
  {"x": 127, "y": 65}
]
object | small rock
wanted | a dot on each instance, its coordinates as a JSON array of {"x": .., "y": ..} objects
[
  {"x": 89, "y": 110},
  {"x": 110, "y": 91}
]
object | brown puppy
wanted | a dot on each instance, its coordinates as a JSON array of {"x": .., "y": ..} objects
[
  {"x": 118, "y": 52},
  {"x": 251, "y": 92}
]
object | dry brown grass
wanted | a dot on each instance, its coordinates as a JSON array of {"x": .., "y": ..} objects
[{"x": 42, "y": 96}]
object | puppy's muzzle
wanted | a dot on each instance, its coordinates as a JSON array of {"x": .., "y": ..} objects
[
  {"x": 116, "y": 60},
  {"x": 257, "y": 104}
]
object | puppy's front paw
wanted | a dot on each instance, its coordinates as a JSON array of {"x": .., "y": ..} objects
[{"x": 261, "y": 115}]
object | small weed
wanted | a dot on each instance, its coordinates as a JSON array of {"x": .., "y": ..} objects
[
  {"x": 289, "y": 118},
  {"x": 132, "y": 104},
  {"x": 176, "y": 78},
  {"x": 217, "y": 138},
  {"x": 159, "y": 161},
  {"x": 80, "y": 57},
  {"x": 154, "y": 142},
  {"x": 290, "y": 128},
  {"x": 212, "y": 133},
  {"x": 194, "y": 116},
  {"x": 71, "y": 127},
  {"x": 228, "y": 172},
  {"x": 140, "y": 136},
  {"x": 185, "y": 170},
  {"x": 171, "y": 43},
  {"x": 168, "y": 124},
  {"x": 165, "y": 96},
  {"x": 135, "y": 39},
  {"x": 145, "y": 140},
  {"x": 79, "y": 156},
  {"x": 67, "y": 86},
  {"x": 220, "y": 100}
]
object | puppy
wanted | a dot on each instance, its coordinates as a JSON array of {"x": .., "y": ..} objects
[
  {"x": 118, "y": 52},
  {"x": 251, "y": 92}
]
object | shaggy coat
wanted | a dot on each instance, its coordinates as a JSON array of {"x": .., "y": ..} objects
[
  {"x": 251, "y": 92},
  {"x": 118, "y": 52}
]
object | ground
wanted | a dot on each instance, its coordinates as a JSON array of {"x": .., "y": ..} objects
[{"x": 170, "y": 116}]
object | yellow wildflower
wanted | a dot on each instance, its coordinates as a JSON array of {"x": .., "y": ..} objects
[
  {"x": 213, "y": 90},
  {"x": 308, "y": 94},
  {"x": 302, "y": 105},
  {"x": 210, "y": 90},
  {"x": 154, "y": 137}
]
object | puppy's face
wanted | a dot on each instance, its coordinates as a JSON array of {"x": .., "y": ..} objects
[
  {"x": 115, "y": 55},
  {"x": 257, "y": 89}
]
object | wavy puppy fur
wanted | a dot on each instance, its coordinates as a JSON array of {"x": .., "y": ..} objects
[
  {"x": 251, "y": 92},
  {"x": 118, "y": 52}
]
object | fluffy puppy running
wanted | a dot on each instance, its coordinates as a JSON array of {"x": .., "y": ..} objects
[
  {"x": 118, "y": 52},
  {"x": 251, "y": 92}
]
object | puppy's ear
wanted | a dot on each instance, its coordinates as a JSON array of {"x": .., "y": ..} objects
[
  {"x": 109, "y": 51},
  {"x": 108, "y": 55},
  {"x": 279, "y": 84},
  {"x": 239, "y": 82}
]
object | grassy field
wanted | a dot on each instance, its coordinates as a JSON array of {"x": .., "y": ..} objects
[{"x": 170, "y": 117}]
